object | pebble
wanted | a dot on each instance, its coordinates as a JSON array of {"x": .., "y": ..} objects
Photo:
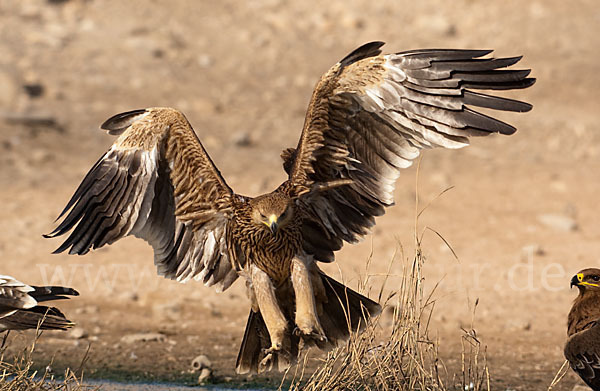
[
  {"x": 129, "y": 296},
  {"x": 90, "y": 309},
  {"x": 242, "y": 139},
  {"x": 77, "y": 333},
  {"x": 34, "y": 90},
  {"x": 558, "y": 222},
  {"x": 143, "y": 337},
  {"x": 531, "y": 250},
  {"x": 169, "y": 310}
]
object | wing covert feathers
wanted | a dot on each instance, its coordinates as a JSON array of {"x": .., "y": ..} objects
[
  {"x": 583, "y": 353},
  {"x": 156, "y": 182},
  {"x": 370, "y": 116}
]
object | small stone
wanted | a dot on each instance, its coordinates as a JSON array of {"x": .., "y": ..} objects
[
  {"x": 129, "y": 296},
  {"x": 531, "y": 250},
  {"x": 558, "y": 222},
  {"x": 201, "y": 362},
  {"x": 90, "y": 309},
  {"x": 169, "y": 310},
  {"x": 204, "y": 376},
  {"x": 205, "y": 61},
  {"x": 77, "y": 333},
  {"x": 34, "y": 90},
  {"x": 144, "y": 337},
  {"x": 242, "y": 139}
]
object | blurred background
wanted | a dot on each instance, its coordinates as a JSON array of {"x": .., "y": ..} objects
[{"x": 522, "y": 215}]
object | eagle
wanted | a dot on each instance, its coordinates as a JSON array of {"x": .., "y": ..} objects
[
  {"x": 19, "y": 309},
  {"x": 369, "y": 117},
  {"x": 582, "y": 349}
]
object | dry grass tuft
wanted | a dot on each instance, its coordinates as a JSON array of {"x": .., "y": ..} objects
[
  {"x": 17, "y": 373},
  {"x": 402, "y": 356}
]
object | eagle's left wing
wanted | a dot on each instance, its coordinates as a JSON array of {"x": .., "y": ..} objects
[
  {"x": 369, "y": 117},
  {"x": 582, "y": 350}
]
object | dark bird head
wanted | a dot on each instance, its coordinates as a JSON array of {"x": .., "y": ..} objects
[
  {"x": 274, "y": 210},
  {"x": 587, "y": 279}
]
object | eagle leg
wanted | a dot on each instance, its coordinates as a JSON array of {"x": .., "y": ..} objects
[
  {"x": 275, "y": 321},
  {"x": 307, "y": 321}
]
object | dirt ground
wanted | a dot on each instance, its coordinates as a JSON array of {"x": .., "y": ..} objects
[{"x": 243, "y": 73}]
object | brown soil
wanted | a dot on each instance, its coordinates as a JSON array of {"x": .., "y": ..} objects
[{"x": 243, "y": 73}]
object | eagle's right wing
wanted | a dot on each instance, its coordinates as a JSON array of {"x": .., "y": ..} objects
[{"x": 157, "y": 183}]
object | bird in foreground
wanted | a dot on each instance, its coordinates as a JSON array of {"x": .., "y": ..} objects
[
  {"x": 19, "y": 309},
  {"x": 583, "y": 346},
  {"x": 368, "y": 118}
]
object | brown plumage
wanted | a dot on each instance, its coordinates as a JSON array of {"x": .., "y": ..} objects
[
  {"x": 369, "y": 116},
  {"x": 582, "y": 349},
  {"x": 19, "y": 309}
]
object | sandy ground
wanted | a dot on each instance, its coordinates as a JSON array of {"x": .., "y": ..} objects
[{"x": 243, "y": 73}]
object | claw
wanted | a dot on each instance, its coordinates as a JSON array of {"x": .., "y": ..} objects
[
  {"x": 313, "y": 334},
  {"x": 297, "y": 331},
  {"x": 267, "y": 362}
]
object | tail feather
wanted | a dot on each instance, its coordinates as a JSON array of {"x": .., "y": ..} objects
[
  {"x": 256, "y": 341},
  {"x": 343, "y": 312}
]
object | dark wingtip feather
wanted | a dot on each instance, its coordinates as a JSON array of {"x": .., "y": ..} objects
[
  {"x": 370, "y": 49},
  {"x": 531, "y": 81},
  {"x": 446, "y": 54},
  {"x": 495, "y": 102},
  {"x": 118, "y": 123}
]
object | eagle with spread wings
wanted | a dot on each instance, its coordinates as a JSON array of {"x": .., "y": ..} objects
[{"x": 368, "y": 118}]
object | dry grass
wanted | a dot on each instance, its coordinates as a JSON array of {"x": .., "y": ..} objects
[
  {"x": 401, "y": 356},
  {"x": 17, "y": 373}
]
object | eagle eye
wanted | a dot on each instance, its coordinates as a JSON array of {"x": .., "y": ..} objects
[{"x": 596, "y": 278}]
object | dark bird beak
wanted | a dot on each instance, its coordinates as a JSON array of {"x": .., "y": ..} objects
[
  {"x": 273, "y": 228},
  {"x": 574, "y": 281},
  {"x": 273, "y": 224}
]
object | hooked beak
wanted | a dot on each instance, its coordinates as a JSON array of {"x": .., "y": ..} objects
[
  {"x": 273, "y": 224},
  {"x": 576, "y": 280}
]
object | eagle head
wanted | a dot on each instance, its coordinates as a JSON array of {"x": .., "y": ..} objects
[
  {"x": 274, "y": 210},
  {"x": 587, "y": 279}
]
